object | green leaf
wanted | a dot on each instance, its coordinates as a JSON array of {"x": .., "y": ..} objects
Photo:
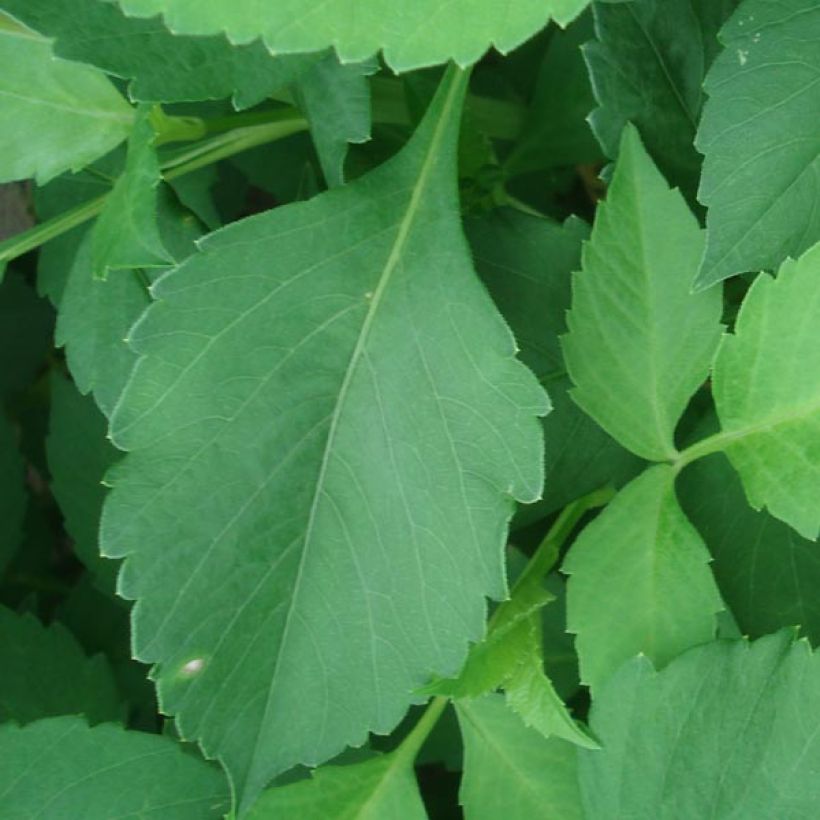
[
  {"x": 639, "y": 580},
  {"x": 647, "y": 65},
  {"x": 354, "y": 418},
  {"x": 59, "y": 767},
  {"x": 96, "y": 315},
  {"x": 728, "y": 730},
  {"x": 556, "y": 131},
  {"x": 12, "y": 493},
  {"x": 424, "y": 33},
  {"x": 382, "y": 788},
  {"x": 766, "y": 386},
  {"x": 639, "y": 342},
  {"x": 65, "y": 114},
  {"x": 126, "y": 234},
  {"x": 768, "y": 575},
  {"x": 45, "y": 672},
  {"x": 79, "y": 454},
  {"x": 759, "y": 135},
  {"x": 511, "y": 771},
  {"x": 162, "y": 67},
  {"x": 335, "y": 99}
]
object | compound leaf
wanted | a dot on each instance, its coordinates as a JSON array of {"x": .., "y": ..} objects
[
  {"x": 382, "y": 788},
  {"x": 759, "y": 134},
  {"x": 326, "y": 427},
  {"x": 162, "y": 67},
  {"x": 729, "y": 729},
  {"x": 45, "y": 672},
  {"x": 423, "y": 33},
  {"x": 639, "y": 580},
  {"x": 64, "y": 114},
  {"x": 639, "y": 342},
  {"x": 59, "y": 767},
  {"x": 767, "y": 390},
  {"x": 511, "y": 771}
]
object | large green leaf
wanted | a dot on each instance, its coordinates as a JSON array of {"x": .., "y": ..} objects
[
  {"x": 759, "y": 134},
  {"x": 64, "y": 114},
  {"x": 45, "y": 672},
  {"x": 639, "y": 342},
  {"x": 382, "y": 788},
  {"x": 768, "y": 575},
  {"x": 78, "y": 456},
  {"x": 126, "y": 233},
  {"x": 766, "y": 385},
  {"x": 639, "y": 580},
  {"x": 163, "y": 67},
  {"x": 728, "y": 730},
  {"x": 425, "y": 32},
  {"x": 60, "y": 768},
  {"x": 647, "y": 65},
  {"x": 511, "y": 771},
  {"x": 327, "y": 428},
  {"x": 12, "y": 493}
]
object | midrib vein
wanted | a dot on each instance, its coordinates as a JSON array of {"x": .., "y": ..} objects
[{"x": 393, "y": 259}]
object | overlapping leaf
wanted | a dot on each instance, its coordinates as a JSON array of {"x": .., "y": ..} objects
[
  {"x": 639, "y": 342},
  {"x": 45, "y": 672},
  {"x": 59, "y": 767},
  {"x": 759, "y": 135},
  {"x": 639, "y": 580},
  {"x": 767, "y": 392},
  {"x": 426, "y": 32},
  {"x": 64, "y": 114},
  {"x": 511, "y": 771},
  {"x": 326, "y": 426},
  {"x": 727, "y": 730}
]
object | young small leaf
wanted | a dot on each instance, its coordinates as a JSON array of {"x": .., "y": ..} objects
[
  {"x": 767, "y": 391},
  {"x": 59, "y": 767},
  {"x": 759, "y": 134},
  {"x": 45, "y": 672},
  {"x": 639, "y": 580},
  {"x": 423, "y": 33},
  {"x": 382, "y": 788},
  {"x": 511, "y": 771},
  {"x": 327, "y": 427},
  {"x": 729, "y": 729},
  {"x": 639, "y": 342},
  {"x": 126, "y": 234},
  {"x": 64, "y": 114}
]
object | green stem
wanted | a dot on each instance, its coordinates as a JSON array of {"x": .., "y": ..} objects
[
  {"x": 715, "y": 443},
  {"x": 411, "y": 745}
]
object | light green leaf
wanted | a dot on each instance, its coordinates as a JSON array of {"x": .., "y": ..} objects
[
  {"x": 759, "y": 134},
  {"x": 78, "y": 456},
  {"x": 45, "y": 672},
  {"x": 335, "y": 99},
  {"x": 647, "y": 64},
  {"x": 768, "y": 575},
  {"x": 162, "y": 66},
  {"x": 96, "y": 314},
  {"x": 60, "y": 768},
  {"x": 126, "y": 234},
  {"x": 12, "y": 493},
  {"x": 640, "y": 580},
  {"x": 639, "y": 342},
  {"x": 383, "y": 788},
  {"x": 423, "y": 33},
  {"x": 354, "y": 418},
  {"x": 511, "y": 771},
  {"x": 728, "y": 730},
  {"x": 65, "y": 115},
  {"x": 766, "y": 385}
]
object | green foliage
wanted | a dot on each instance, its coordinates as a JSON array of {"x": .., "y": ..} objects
[{"x": 378, "y": 433}]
